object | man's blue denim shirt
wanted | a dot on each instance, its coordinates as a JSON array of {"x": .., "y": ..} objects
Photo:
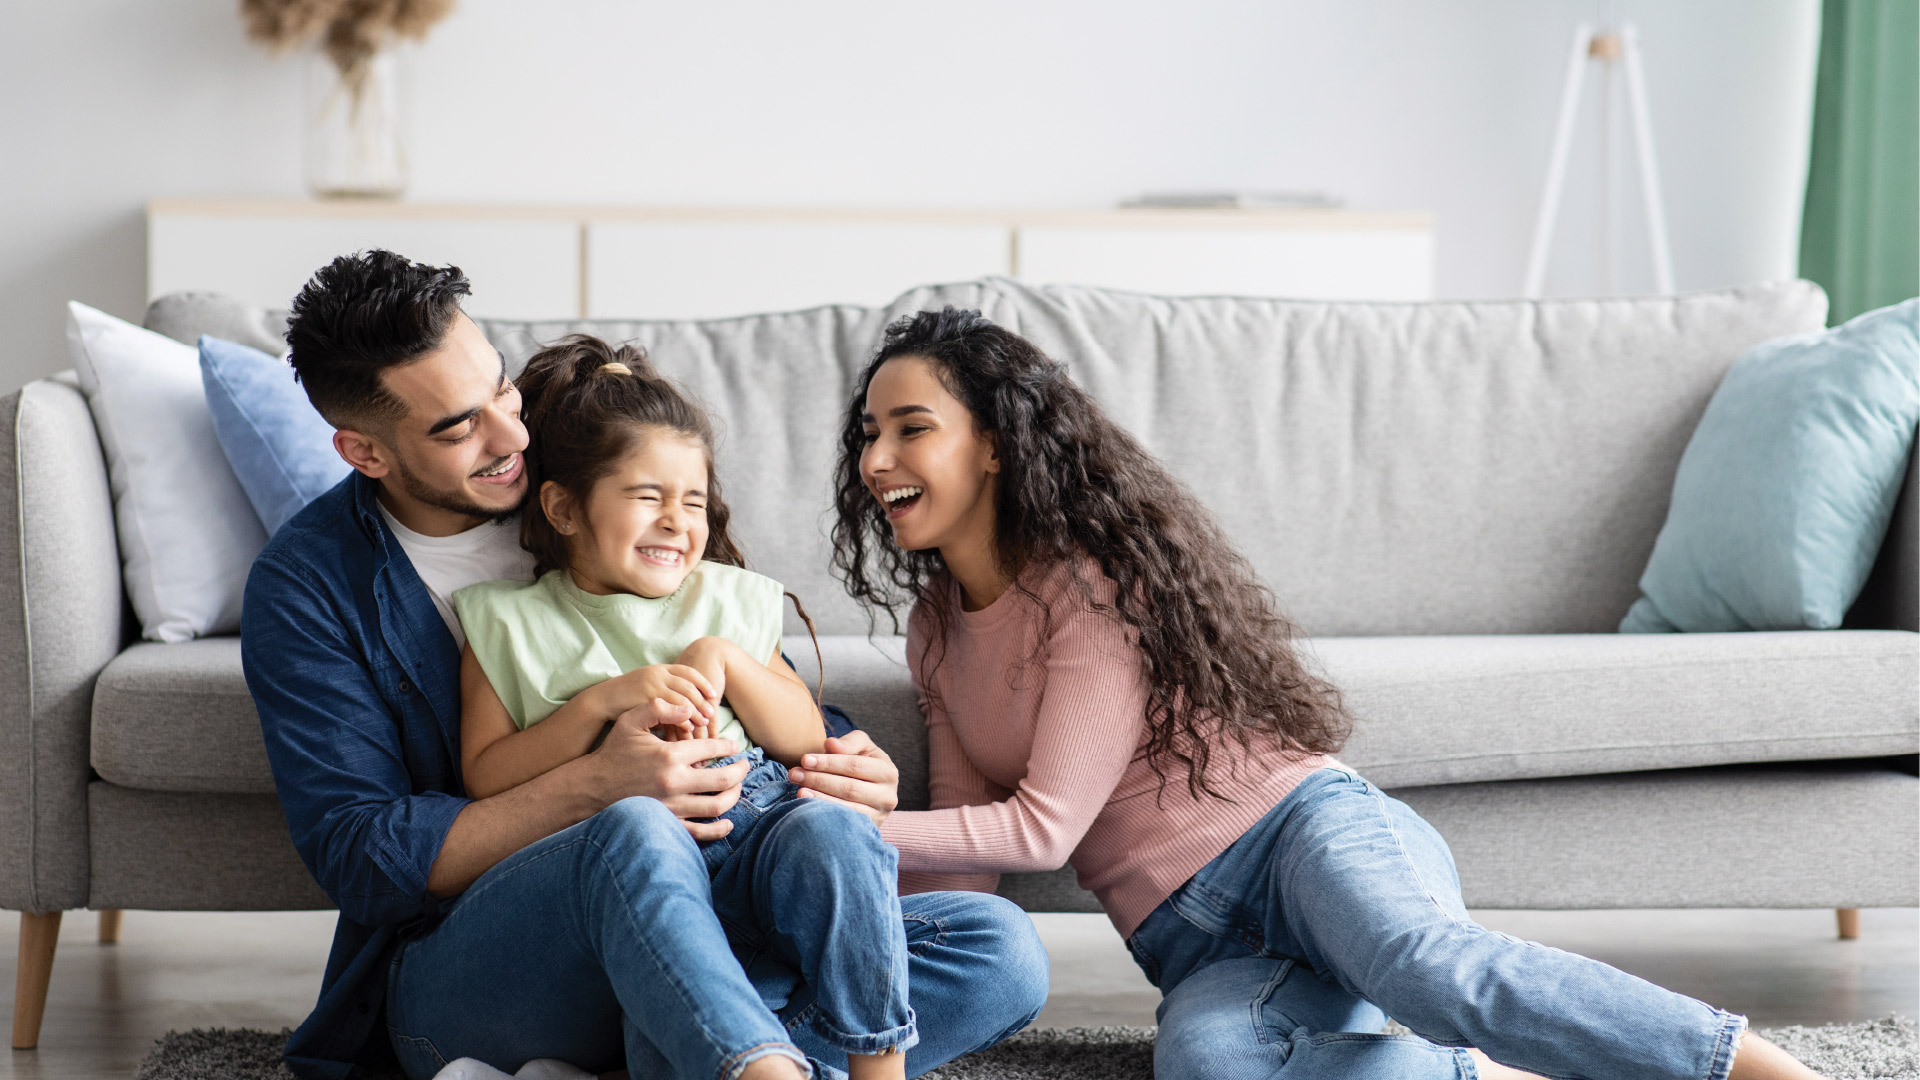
[{"x": 357, "y": 682}]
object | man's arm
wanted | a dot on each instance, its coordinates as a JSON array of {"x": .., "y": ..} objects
[
  {"x": 371, "y": 832},
  {"x": 631, "y": 762}
]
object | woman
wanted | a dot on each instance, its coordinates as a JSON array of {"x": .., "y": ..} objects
[{"x": 1106, "y": 683}]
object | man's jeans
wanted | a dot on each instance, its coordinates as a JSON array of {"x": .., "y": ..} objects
[
  {"x": 601, "y": 946},
  {"x": 1277, "y": 958}
]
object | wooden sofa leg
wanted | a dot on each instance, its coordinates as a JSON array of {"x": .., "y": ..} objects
[
  {"x": 38, "y": 936},
  {"x": 1849, "y": 918},
  {"x": 110, "y": 926}
]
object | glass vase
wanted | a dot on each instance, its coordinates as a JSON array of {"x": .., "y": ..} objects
[{"x": 356, "y": 139}]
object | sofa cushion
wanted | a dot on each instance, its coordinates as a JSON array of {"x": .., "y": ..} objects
[
  {"x": 178, "y": 717},
  {"x": 1786, "y": 488},
  {"x": 280, "y": 448},
  {"x": 1428, "y": 710},
  {"x": 187, "y": 533},
  {"x": 775, "y": 385},
  {"x": 1389, "y": 468},
  {"x": 1444, "y": 710},
  {"x": 1444, "y": 468}
]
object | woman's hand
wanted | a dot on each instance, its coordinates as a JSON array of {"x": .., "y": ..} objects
[{"x": 853, "y": 772}]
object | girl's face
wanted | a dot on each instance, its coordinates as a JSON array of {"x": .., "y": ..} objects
[
  {"x": 925, "y": 461},
  {"x": 643, "y": 527}
]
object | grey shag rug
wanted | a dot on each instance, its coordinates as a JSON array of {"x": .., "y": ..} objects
[{"x": 1881, "y": 1050}]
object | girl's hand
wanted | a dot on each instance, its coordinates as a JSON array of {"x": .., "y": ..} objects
[
  {"x": 680, "y": 686},
  {"x": 669, "y": 722}
]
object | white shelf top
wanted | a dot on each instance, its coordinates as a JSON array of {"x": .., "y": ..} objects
[{"x": 362, "y": 209}]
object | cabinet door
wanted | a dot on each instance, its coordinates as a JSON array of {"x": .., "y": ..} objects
[
  {"x": 1296, "y": 263},
  {"x": 702, "y": 269},
  {"x": 519, "y": 269}
]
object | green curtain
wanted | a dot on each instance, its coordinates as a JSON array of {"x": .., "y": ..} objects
[{"x": 1860, "y": 235}]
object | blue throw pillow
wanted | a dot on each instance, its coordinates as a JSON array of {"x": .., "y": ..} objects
[
  {"x": 1784, "y": 493},
  {"x": 280, "y": 448}
]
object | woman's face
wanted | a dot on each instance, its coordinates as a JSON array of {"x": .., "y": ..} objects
[
  {"x": 925, "y": 460},
  {"x": 643, "y": 527}
]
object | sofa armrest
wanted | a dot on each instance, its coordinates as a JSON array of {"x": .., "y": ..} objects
[
  {"x": 61, "y": 620},
  {"x": 1890, "y": 600}
]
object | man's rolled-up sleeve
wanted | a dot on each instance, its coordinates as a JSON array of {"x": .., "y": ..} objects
[{"x": 361, "y": 823}]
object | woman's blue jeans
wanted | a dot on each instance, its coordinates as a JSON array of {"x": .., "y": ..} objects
[
  {"x": 614, "y": 944},
  {"x": 1276, "y": 960}
]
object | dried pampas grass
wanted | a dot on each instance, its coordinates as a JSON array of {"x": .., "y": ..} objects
[{"x": 353, "y": 30}]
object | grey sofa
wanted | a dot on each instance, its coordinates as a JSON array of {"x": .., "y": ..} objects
[{"x": 1453, "y": 500}]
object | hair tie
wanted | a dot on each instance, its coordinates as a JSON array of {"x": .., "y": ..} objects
[{"x": 617, "y": 367}]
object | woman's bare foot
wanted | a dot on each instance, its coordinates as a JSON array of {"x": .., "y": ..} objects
[{"x": 1758, "y": 1059}]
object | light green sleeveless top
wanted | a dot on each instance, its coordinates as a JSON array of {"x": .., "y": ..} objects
[{"x": 541, "y": 642}]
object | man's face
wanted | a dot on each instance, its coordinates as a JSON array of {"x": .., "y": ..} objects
[{"x": 456, "y": 451}]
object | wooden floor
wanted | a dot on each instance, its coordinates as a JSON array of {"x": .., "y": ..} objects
[{"x": 177, "y": 970}]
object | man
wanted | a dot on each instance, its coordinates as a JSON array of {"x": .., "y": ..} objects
[{"x": 569, "y": 917}]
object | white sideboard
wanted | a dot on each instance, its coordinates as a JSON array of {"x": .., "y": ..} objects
[{"x": 657, "y": 262}]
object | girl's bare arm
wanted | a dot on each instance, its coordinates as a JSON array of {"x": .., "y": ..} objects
[
  {"x": 772, "y": 703},
  {"x": 495, "y": 755}
]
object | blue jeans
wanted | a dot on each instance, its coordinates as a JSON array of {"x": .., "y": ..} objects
[
  {"x": 614, "y": 944},
  {"x": 1276, "y": 960}
]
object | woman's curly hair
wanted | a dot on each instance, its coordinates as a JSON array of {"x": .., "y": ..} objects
[{"x": 1072, "y": 486}]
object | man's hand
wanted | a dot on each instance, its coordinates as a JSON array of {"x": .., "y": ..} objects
[
  {"x": 853, "y": 772},
  {"x": 633, "y": 761}
]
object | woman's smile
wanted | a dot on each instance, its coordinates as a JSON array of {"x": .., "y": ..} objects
[{"x": 899, "y": 500}]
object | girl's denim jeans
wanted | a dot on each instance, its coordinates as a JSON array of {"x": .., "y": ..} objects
[
  {"x": 621, "y": 943},
  {"x": 1276, "y": 960}
]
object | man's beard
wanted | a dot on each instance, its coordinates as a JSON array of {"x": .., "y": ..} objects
[{"x": 442, "y": 500}]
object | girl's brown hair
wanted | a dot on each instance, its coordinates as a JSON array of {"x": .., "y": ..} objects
[
  {"x": 1075, "y": 487},
  {"x": 585, "y": 404}
]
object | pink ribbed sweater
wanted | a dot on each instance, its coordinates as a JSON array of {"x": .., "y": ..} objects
[{"x": 1032, "y": 756}]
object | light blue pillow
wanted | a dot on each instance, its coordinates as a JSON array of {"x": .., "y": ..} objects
[
  {"x": 279, "y": 447},
  {"x": 1784, "y": 493}
]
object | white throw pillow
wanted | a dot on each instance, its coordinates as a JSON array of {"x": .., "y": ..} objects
[{"x": 188, "y": 536}]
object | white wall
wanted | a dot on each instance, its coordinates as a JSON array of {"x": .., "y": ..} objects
[{"x": 1397, "y": 104}]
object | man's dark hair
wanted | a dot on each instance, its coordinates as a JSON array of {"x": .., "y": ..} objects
[{"x": 360, "y": 315}]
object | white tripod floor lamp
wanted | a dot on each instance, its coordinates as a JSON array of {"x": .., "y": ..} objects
[{"x": 1608, "y": 48}]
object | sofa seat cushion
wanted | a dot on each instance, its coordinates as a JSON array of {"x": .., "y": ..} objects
[
  {"x": 1447, "y": 710},
  {"x": 178, "y": 717},
  {"x": 1428, "y": 710}
]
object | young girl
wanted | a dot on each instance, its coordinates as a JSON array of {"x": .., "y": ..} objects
[
  {"x": 1106, "y": 683},
  {"x": 641, "y": 601}
]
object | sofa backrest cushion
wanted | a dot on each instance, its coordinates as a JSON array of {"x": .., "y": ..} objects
[
  {"x": 1458, "y": 468},
  {"x": 1388, "y": 468}
]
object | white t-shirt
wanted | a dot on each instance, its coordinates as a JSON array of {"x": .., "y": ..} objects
[{"x": 446, "y": 564}]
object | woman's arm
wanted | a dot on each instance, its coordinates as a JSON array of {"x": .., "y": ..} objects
[
  {"x": 495, "y": 755},
  {"x": 772, "y": 703},
  {"x": 1089, "y": 727}
]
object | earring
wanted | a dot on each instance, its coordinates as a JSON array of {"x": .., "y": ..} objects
[{"x": 568, "y": 529}]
